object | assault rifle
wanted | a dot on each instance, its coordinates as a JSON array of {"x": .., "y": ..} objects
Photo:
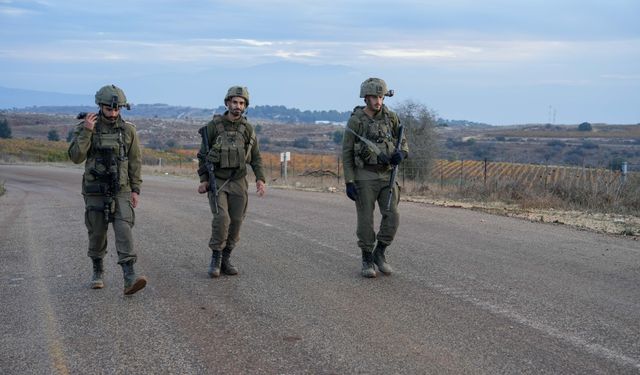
[
  {"x": 213, "y": 186},
  {"x": 109, "y": 180},
  {"x": 394, "y": 172}
]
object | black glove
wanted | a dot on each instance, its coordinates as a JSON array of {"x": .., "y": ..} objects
[
  {"x": 352, "y": 192},
  {"x": 383, "y": 159},
  {"x": 397, "y": 157}
]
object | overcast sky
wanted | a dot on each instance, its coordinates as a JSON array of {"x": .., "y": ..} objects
[{"x": 494, "y": 61}]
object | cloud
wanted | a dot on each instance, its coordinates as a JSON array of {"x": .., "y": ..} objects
[
  {"x": 623, "y": 77},
  {"x": 396, "y": 53},
  {"x": 14, "y": 12},
  {"x": 256, "y": 43}
]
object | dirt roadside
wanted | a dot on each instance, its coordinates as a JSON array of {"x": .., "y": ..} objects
[{"x": 598, "y": 222}]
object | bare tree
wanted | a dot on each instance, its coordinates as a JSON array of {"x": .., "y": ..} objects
[{"x": 420, "y": 123}]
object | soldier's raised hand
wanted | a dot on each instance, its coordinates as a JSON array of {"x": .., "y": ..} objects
[{"x": 90, "y": 121}]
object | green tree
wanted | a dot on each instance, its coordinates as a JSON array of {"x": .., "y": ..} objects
[
  {"x": 302, "y": 142},
  {"x": 171, "y": 143},
  {"x": 337, "y": 136},
  {"x": 5, "y": 129},
  {"x": 70, "y": 135},
  {"x": 585, "y": 127},
  {"x": 53, "y": 135}
]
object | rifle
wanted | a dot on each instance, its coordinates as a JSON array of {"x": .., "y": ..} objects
[
  {"x": 109, "y": 181},
  {"x": 394, "y": 172},
  {"x": 213, "y": 186}
]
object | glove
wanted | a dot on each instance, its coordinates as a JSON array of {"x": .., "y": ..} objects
[
  {"x": 383, "y": 159},
  {"x": 352, "y": 192},
  {"x": 397, "y": 157}
]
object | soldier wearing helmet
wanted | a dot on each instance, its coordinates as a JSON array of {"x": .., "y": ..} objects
[
  {"x": 108, "y": 145},
  {"x": 369, "y": 154},
  {"x": 232, "y": 144}
]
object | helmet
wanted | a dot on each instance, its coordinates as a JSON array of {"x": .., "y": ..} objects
[
  {"x": 240, "y": 91},
  {"x": 112, "y": 96},
  {"x": 374, "y": 86}
]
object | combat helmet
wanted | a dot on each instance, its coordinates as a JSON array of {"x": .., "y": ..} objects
[
  {"x": 112, "y": 96},
  {"x": 375, "y": 87},
  {"x": 240, "y": 91}
]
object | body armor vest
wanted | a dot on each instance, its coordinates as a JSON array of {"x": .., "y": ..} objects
[
  {"x": 378, "y": 131},
  {"x": 230, "y": 148},
  {"x": 107, "y": 167}
]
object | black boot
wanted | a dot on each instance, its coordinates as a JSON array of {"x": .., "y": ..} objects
[
  {"x": 380, "y": 261},
  {"x": 227, "y": 268},
  {"x": 98, "y": 271},
  {"x": 132, "y": 282},
  {"x": 368, "y": 269},
  {"x": 214, "y": 267}
]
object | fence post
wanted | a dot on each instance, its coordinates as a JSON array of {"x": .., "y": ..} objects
[
  {"x": 338, "y": 174},
  {"x": 461, "y": 169},
  {"x": 485, "y": 173},
  {"x": 321, "y": 170}
]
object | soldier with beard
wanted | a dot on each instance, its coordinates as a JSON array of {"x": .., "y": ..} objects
[
  {"x": 111, "y": 183},
  {"x": 369, "y": 154},
  {"x": 231, "y": 144}
]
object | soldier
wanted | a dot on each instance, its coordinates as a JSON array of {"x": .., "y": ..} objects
[
  {"x": 369, "y": 154},
  {"x": 231, "y": 144},
  {"x": 111, "y": 183}
]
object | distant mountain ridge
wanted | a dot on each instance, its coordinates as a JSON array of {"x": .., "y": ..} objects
[{"x": 18, "y": 100}]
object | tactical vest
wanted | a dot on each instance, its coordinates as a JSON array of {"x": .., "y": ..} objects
[
  {"x": 107, "y": 167},
  {"x": 230, "y": 148},
  {"x": 378, "y": 131}
]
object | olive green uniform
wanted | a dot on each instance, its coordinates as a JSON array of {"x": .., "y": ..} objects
[
  {"x": 233, "y": 145},
  {"x": 372, "y": 179},
  {"x": 100, "y": 206}
]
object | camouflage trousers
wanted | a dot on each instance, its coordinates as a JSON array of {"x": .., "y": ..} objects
[
  {"x": 370, "y": 192},
  {"x": 232, "y": 207},
  {"x": 123, "y": 220}
]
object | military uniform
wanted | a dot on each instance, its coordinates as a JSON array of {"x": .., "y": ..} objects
[
  {"x": 232, "y": 145},
  {"x": 363, "y": 168},
  {"x": 113, "y": 162}
]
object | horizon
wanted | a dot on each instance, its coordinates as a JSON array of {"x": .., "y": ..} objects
[{"x": 492, "y": 62}]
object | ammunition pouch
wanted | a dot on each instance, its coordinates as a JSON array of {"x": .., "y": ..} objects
[
  {"x": 228, "y": 151},
  {"x": 96, "y": 188}
]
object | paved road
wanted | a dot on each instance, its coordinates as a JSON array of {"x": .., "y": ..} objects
[{"x": 474, "y": 293}]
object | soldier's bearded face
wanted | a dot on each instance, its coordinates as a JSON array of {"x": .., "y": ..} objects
[
  {"x": 110, "y": 113},
  {"x": 236, "y": 105},
  {"x": 374, "y": 102}
]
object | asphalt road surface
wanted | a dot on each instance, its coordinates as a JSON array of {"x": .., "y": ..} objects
[{"x": 472, "y": 293}]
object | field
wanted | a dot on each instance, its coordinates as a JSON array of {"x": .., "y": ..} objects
[{"x": 526, "y": 166}]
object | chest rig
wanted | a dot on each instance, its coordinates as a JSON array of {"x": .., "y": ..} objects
[
  {"x": 230, "y": 148},
  {"x": 378, "y": 131},
  {"x": 106, "y": 168}
]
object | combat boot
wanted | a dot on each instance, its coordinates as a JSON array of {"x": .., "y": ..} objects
[
  {"x": 214, "y": 267},
  {"x": 98, "y": 272},
  {"x": 228, "y": 268},
  {"x": 379, "y": 259},
  {"x": 132, "y": 282},
  {"x": 368, "y": 269}
]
